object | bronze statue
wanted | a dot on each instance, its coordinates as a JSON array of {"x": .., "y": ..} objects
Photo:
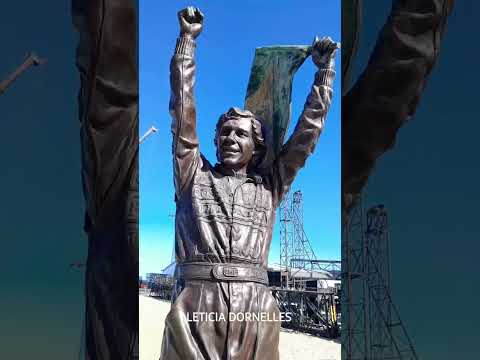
[
  {"x": 386, "y": 94},
  {"x": 108, "y": 115},
  {"x": 225, "y": 212}
]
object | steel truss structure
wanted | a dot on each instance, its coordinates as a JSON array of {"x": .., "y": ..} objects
[
  {"x": 296, "y": 251},
  {"x": 313, "y": 309},
  {"x": 371, "y": 327}
]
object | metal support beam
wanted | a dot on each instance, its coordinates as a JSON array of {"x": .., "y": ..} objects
[
  {"x": 31, "y": 60},
  {"x": 149, "y": 132}
]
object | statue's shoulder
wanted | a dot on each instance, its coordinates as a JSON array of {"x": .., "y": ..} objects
[
  {"x": 204, "y": 171},
  {"x": 204, "y": 164}
]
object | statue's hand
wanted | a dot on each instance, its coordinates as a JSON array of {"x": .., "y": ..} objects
[
  {"x": 191, "y": 21},
  {"x": 323, "y": 52}
]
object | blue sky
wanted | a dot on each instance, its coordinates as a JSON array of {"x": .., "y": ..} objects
[{"x": 225, "y": 49}]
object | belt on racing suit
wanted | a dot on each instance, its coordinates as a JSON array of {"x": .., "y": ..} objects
[{"x": 221, "y": 272}]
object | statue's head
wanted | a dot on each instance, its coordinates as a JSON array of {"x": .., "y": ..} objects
[{"x": 239, "y": 140}]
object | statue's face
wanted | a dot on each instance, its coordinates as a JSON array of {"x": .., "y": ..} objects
[{"x": 235, "y": 143}]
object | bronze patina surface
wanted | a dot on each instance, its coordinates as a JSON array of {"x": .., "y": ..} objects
[
  {"x": 386, "y": 94},
  {"x": 106, "y": 58}
]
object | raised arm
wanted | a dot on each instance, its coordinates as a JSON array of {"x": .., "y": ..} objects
[
  {"x": 182, "y": 102},
  {"x": 387, "y": 93},
  {"x": 108, "y": 112},
  {"x": 302, "y": 142}
]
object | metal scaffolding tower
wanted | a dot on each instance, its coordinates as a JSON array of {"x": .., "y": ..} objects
[
  {"x": 302, "y": 250},
  {"x": 354, "y": 287},
  {"x": 286, "y": 241},
  {"x": 371, "y": 327},
  {"x": 388, "y": 336},
  {"x": 379, "y": 282},
  {"x": 296, "y": 252},
  {"x": 313, "y": 309}
]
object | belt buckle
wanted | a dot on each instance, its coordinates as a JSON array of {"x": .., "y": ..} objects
[{"x": 230, "y": 271}]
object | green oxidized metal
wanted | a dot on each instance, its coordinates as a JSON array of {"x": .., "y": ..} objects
[{"x": 269, "y": 90}]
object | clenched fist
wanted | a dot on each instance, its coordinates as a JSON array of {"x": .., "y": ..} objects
[
  {"x": 191, "y": 22},
  {"x": 323, "y": 52}
]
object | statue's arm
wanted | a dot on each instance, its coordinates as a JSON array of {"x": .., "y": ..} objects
[
  {"x": 186, "y": 154},
  {"x": 108, "y": 107},
  {"x": 108, "y": 111},
  {"x": 309, "y": 126},
  {"x": 388, "y": 91}
]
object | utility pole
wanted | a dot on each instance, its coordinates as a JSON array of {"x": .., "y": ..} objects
[
  {"x": 31, "y": 60},
  {"x": 148, "y": 133}
]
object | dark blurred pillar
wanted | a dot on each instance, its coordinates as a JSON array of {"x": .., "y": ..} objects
[{"x": 108, "y": 112}]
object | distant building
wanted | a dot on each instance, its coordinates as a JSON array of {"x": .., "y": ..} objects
[{"x": 152, "y": 277}]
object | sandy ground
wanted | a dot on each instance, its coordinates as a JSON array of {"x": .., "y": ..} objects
[{"x": 293, "y": 346}]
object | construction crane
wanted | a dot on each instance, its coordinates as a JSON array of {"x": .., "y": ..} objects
[{"x": 31, "y": 60}]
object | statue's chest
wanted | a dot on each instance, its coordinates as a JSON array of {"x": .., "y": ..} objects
[{"x": 228, "y": 199}]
